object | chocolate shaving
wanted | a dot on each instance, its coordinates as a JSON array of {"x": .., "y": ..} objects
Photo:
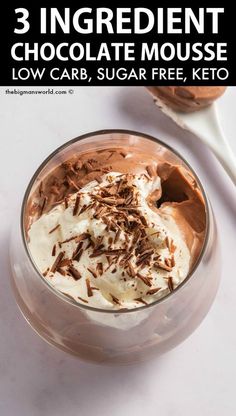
[
  {"x": 131, "y": 208},
  {"x": 45, "y": 272},
  {"x": 84, "y": 207},
  {"x": 172, "y": 261},
  {"x": 100, "y": 211},
  {"x": 132, "y": 272},
  {"x": 110, "y": 261},
  {"x": 144, "y": 279},
  {"x": 168, "y": 243},
  {"x": 83, "y": 300},
  {"x": 96, "y": 253},
  {"x": 54, "y": 250},
  {"x": 125, "y": 259},
  {"x": 68, "y": 240},
  {"x": 168, "y": 262},
  {"x": 111, "y": 189},
  {"x": 74, "y": 273},
  {"x": 69, "y": 296},
  {"x": 162, "y": 266},
  {"x": 141, "y": 301},
  {"x": 98, "y": 242},
  {"x": 77, "y": 255},
  {"x": 93, "y": 273},
  {"x": 54, "y": 229},
  {"x": 136, "y": 238},
  {"x": 146, "y": 258},
  {"x": 72, "y": 183},
  {"x": 43, "y": 205},
  {"x": 170, "y": 284},
  {"x": 117, "y": 236},
  {"x": 89, "y": 289},
  {"x": 129, "y": 199},
  {"x": 115, "y": 300},
  {"x": 107, "y": 253},
  {"x": 147, "y": 252},
  {"x": 143, "y": 220},
  {"x": 82, "y": 237},
  {"x": 113, "y": 226},
  {"x": 41, "y": 189},
  {"x": 61, "y": 271},
  {"x": 113, "y": 252},
  {"x": 110, "y": 155},
  {"x": 153, "y": 291},
  {"x": 78, "y": 252},
  {"x": 172, "y": 247},
  {"x": 99, "y": 269},
  {"x": 65, "y": 263},
  {"x": 157, "y": 257},
  {"x": 156, "y": 233},
  {"x": 120, "y": 183},
  {"x": 110, "y": 200},
  {"x": 66, "y": 202},
  {"x": 76, "y": 206},
  {"x": 57, "y": 262}
]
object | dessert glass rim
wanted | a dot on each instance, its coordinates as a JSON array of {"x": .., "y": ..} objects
[{"x": 78, "y": 139}]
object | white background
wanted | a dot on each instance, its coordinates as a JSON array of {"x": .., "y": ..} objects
[{"x": 198, "y": 378}]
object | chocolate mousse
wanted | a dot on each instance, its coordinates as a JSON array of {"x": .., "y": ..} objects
[
  {"x": 187, "y": 99},
  {"x": 116, "y": 228}
]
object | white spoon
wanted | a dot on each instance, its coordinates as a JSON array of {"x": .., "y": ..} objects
[{"x": 206, "y": 126}]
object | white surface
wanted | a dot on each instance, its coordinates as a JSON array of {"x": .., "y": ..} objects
[{"x": 198, "y": 377}]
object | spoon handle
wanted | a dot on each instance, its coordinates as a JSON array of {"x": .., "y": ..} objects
[
  {"x": 205, "y": 124},
  {"x": 227, "y": 160},
  {"x": 220, "y": 147}
]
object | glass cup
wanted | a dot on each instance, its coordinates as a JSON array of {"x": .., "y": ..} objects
[{"x": 106, "y": 336}]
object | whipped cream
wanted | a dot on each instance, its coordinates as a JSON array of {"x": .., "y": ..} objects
[{"x": 106, "y": 246}]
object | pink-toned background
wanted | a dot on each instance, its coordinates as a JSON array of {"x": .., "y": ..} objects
[{"x": 198, "y": 377}]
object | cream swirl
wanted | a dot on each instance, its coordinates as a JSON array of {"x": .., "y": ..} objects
[{"x": 108, "y": 246}]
